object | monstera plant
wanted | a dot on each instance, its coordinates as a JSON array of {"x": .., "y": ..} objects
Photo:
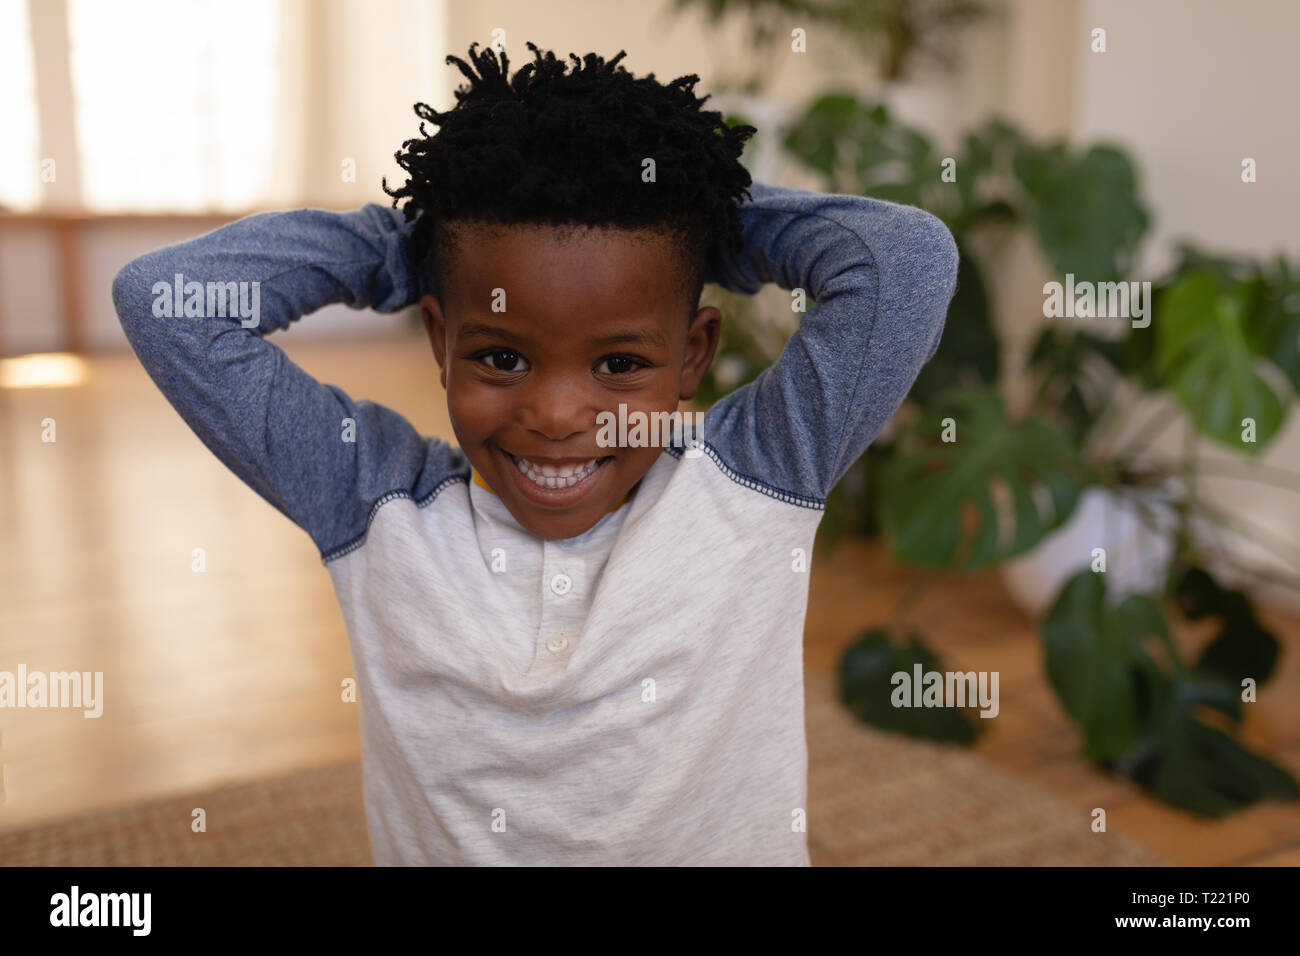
[{"x": 965, "y": 485}]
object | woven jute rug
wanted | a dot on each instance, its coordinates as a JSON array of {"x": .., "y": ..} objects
[{"x": 874, "y": 799}]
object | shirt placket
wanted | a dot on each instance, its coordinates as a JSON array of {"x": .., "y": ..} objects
[{"x": 565, "y": 595}]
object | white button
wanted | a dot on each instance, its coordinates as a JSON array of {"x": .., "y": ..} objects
[
  {"x": 556, "y": 645},
  {"x": 561, "y": 583}
]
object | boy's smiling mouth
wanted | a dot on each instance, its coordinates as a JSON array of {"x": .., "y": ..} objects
[{"x": 554, "y": 482}]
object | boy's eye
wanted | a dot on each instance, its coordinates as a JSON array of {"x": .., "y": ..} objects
[
  {"x": 503, "y": 360},
  {"x": 619, "y": 365}
]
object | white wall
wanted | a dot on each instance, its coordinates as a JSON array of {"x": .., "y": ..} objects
[{"x": 1191, "y": 87}]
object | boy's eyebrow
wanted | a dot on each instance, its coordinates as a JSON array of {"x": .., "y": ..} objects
[
  {"x": 635, "y": 337},
  {"x": 488, "y": 331}
]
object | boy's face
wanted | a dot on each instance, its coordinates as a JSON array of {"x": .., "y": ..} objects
[{"x": 587, "y": 320}]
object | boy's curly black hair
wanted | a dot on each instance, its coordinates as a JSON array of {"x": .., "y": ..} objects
[{"x": 552, "y": 147}]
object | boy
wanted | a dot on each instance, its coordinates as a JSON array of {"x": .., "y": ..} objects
[{"x": 569, "y": 652}]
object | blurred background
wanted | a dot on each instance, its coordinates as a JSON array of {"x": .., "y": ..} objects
[{"x": 1110, "y": 527}]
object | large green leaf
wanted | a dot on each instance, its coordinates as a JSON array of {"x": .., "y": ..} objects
[
  {"x": 1090, "y": 649},
  {"x": 1084, "y": 209},
  {"x": 1199, "y": 768},
  {"x": 1203, "y": 351},
  {"x": 1273, "y": 327},
  {"x": 867, "y": 688},
  {"x": 1139, "y": 718},
  {"x": 831, "y": 120},
  {"x": 1026, "y": 476},
  {"x": 859, "y": 147}
]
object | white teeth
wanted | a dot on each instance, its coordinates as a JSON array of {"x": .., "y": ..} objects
[{"x": 550, "y": 476}]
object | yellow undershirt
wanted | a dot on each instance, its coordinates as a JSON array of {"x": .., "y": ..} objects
[{"x": 478, "y": 480}]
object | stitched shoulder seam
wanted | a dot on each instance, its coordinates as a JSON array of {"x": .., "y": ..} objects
[
  {"x": 789, "y": 497},
  {"x": 344, "y": 549}
]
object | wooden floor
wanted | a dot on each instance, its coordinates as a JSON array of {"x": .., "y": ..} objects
[{"x": 235, "y": 673}]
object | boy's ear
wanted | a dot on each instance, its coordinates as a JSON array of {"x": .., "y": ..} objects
[
  {"x": 435, "y": 326},
  {"x": 701, "y": 344}
]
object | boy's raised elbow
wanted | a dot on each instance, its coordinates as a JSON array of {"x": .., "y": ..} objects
[
  {"x": 914, "y": 250},
  {"x": 125, "y": 283},
  {"x": 132, "y": 293},
  {"x": 934, "y": 245},
  {"x": 122, "y": 283}
]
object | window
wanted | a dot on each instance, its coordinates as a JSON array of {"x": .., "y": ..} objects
[
  {"x": 175, "y": 102},
  {"x": 19, "y": 164}
]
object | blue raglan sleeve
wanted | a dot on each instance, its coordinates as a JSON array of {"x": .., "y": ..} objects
[
  {"x": 314, "y": 453},
  {"x": 882, "y": 275}
]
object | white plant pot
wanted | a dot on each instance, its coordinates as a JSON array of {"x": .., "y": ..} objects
[{"x": 1137, "y": 555}]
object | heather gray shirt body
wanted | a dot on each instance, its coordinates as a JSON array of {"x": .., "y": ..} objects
[{"x": 631, "y": 695}]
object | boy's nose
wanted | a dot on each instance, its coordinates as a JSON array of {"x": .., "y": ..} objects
[{"x": 557, "y": 411}]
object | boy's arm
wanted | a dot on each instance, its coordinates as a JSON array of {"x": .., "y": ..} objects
[
  {"x": 882, "y": 275},
  {"x": 281, "y": 431}
]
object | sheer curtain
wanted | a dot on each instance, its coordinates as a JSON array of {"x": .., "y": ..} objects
[{"x": 20, "y": 185}]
